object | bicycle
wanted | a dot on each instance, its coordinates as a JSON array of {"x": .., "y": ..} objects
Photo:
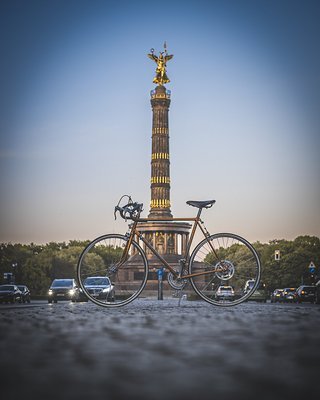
[{"x": 218, "y": 268}]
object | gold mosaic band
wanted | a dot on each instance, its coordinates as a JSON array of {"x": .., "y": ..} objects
[
  {"x": 160, "y": 179},
  {"x": 160, "y": 203},
  {"x": 160, "y": 131},
  {"x": 158, "y": 156}
]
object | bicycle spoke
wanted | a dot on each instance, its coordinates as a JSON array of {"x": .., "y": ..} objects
[
  {"x": 107, "y": 277},
  {"x": 233, "y": 262}
]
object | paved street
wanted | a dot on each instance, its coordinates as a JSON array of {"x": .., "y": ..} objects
[{"x": 154, "y": 350}]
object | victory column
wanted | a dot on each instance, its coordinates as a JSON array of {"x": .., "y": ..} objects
[{"x": 168, "y": 237}]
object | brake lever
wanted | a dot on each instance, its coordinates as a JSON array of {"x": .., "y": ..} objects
[{"x": 117, "y": 208}]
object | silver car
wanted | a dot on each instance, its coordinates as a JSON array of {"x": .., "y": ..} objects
[
  {"x": 100, "y": 287},
  {"x": 224, "y": 293}
]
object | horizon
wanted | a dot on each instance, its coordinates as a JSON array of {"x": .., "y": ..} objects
[{"x": 68, "y": 241}]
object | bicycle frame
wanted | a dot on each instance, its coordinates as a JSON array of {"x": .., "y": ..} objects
[
  {"x": 219, "y": 267},
  {"x": 196, "y": 221}
]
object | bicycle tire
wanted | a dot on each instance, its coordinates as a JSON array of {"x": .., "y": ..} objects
[
  {"x": 101, "y": 259},
  {"x": 241, "y": 263}
]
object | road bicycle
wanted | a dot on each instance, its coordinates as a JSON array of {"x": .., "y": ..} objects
[{"x": 219, "y": 267}]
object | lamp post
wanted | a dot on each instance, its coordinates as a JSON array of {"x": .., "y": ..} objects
[
  {"x": 277, "y": 257},
  {"x": 14, "y": 266}
]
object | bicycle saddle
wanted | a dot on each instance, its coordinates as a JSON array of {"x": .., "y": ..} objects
[{"x": 201, "y": 204}]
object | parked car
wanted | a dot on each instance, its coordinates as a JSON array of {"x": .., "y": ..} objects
[
  {"x": 10, "y": 294},
  {"x": 100, "y": 287},
  {"x": 306, "y": 293},
  {"x": 63, "y": 289},
  {"x": 260, "y": 294},
  {"x": 288, "y": 295},
  {"x": 25, "y": 292},
  {"x": 224, "y": 293},
  {"x": 276, "y": 296}
]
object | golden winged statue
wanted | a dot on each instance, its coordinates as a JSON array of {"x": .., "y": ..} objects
[{"x": 161, "y": 74}]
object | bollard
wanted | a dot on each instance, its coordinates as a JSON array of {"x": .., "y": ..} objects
[
  {"x": 160, "y": 272},
  {"x": 182, "y": 297}
]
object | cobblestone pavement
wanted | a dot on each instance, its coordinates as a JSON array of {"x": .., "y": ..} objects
[{"x": 154, "y": 350}]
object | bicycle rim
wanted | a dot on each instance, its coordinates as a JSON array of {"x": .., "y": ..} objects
[
  {"x": 106, "y": 277},
  {"x": 229, "y": 269}
]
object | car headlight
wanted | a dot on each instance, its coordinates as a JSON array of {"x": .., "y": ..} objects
[
  {"x": 50, "y": 292},
  {"x": 106, "y": 290},
  {"x": 72, "y": 292}
]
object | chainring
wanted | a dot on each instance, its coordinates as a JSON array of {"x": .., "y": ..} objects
[{"x": 176, "y": 283}]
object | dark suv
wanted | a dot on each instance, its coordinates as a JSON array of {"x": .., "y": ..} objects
[
  {"x": 63, "y": 289},
  {"x": 306, "y": 294},
  {"x": 10, "y": 294}
]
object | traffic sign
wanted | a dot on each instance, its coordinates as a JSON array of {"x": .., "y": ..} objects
[
  {"x": 312, "y": 267},
  {"x": 160, "y": 273}
]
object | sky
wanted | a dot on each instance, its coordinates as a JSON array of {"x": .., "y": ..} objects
[{"x": 75, "y": 114}]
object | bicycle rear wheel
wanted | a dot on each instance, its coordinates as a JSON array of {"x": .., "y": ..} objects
[
  {"x": 108, "y": 276},
  {"x": 227, "y": 269}
]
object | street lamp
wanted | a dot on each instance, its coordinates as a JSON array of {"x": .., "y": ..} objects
[{"x": 14, "y": 266}]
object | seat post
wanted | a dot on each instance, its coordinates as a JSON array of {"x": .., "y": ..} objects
[{"x": 199, "y": 213}]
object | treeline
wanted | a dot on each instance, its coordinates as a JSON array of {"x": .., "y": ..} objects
[
  {"x": 291, "y": 270},
  {"x": 37, "y": 265}
]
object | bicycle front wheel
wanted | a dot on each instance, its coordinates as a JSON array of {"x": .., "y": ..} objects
[
  {"x": 110, "y": 274},
  {"x": 225, "y": 268}
]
